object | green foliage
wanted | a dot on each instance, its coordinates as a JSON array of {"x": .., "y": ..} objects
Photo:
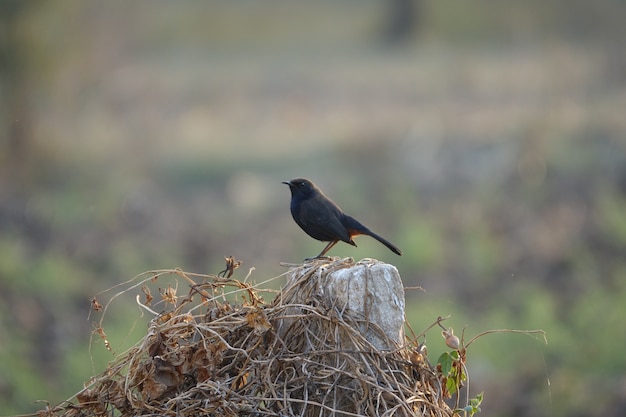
[
  {"x": 453, "y": 370},
  {"x": 472, "y": 408}
]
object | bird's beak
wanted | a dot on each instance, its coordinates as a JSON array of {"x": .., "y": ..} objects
[{"x": 287, "y": 183}]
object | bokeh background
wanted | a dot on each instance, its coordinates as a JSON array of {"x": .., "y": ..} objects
[{"x": 487, "y": 139}]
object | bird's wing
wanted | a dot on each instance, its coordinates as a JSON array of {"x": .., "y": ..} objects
[{"x": 322, "y": 221}]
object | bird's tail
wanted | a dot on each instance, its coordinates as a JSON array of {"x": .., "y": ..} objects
[
  {"x": 385, "y": 242},
  {"x": 356, "y": 228}
]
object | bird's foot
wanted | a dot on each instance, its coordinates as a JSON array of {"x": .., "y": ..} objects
[{"x": 317, "y": 258}]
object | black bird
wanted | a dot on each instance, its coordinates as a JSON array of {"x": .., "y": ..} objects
[{"x": 323, "y": 220}]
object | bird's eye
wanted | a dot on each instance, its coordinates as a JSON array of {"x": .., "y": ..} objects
[{"x": 300, "y": 184}]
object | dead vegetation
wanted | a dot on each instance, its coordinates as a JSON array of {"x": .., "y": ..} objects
[{"x": 210, "y": 356}]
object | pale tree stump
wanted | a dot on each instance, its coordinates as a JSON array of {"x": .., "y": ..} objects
[{"x": 343, "y": 316}]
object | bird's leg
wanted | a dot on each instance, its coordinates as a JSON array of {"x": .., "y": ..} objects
[
  {"x": 327, "y": 248},
  {"x": 323, "y": 252}
]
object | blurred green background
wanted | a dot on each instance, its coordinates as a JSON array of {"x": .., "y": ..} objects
[{"x": 487, "y": 139}]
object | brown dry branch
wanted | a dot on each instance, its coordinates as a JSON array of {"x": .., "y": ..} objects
[{"x": 295, "y": 356}]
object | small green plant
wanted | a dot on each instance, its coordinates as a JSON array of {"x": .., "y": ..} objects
[
  {"x": 452, "y": 370},
  {"x": 472, "y": 408},
  {"x": 451, "y": 365}
]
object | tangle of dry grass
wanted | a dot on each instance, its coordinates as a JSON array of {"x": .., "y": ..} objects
[{"x": 295, "y": 356}]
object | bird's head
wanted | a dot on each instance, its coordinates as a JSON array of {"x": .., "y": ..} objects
[{"x": 301, "y": 187}]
